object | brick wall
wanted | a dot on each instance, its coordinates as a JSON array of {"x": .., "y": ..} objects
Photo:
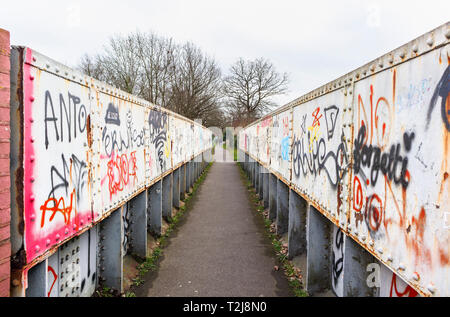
[{"x": 5, "y": 246}]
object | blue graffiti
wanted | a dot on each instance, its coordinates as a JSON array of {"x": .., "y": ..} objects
[{"x": 285, "y": 148}]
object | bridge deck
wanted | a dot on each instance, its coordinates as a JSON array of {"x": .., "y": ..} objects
[{"x": 220, "y": 249}]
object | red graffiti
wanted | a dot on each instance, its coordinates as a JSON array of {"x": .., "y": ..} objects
[
  {"x": 315, "y": 114},
  {"x": 407, "y": 292},
  {"x": 55, "y": 277},
  {"x": 374, "y": 212},
  {"x": 120, "y": 169},
  {"x": 59, "y": 205},
  {"x": 357, "y": 194}
]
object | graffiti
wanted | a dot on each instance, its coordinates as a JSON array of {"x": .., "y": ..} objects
[
  {"x": 157, "y": 121},
  {"x": 394, "y": 291},
  {"x": 57, "y": 205},
  {"x": 74, "y": 122},
  {"x": 77, "y": 170},
  {"x": 371, "y": 157},
  {"x": 337, "y": 257},
  {"x": 318, "y": 160},
  {"x": 285, "y": 148},
  {"x": 55, "y": 278},
  {"x": 442, "y": 90},
  {"x": 120, "y": 169},
  {"x": 331, "y": 114},
  {"x": 112, "y": 115},
  {"x": 113, "y": 139}
]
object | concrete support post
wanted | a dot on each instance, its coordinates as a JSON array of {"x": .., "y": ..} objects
[
  {"x": 111, "y": 251},
  {"x": 297, "y": 225},
  {"x": 176, "y": 188},
  {"x": 138, "y": 224},
  {"x": 155, "y": 208},
  {"x": 356, "y": 261},
  {"x": 261, "y": 182},
  {"x": 256, "y": 181},
  {"x": 188, "y": 176},
  {"x": 167, "y": 196},
  {"x": 318, "y": 252},
  {"x": 37, "y": 280},
  {"x": 182, "y": 181},
  {"x": 273, "y": 184},
  {"x": 282, "y": 222},
  {"x": 265, "y": 176}
]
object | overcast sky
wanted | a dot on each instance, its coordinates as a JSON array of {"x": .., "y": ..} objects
[{"x": 314, "y": 41}]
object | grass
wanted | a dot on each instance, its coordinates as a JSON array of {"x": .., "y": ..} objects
[{"x": 292, "y": 273}]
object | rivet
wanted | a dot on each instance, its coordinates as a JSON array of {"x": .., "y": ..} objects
[
  {"x": 57, "y": 237},
  {"x": 447, "y": 34},
  {"x": 430, "y": 41},
  {"x": 31, "y": 77},
  {"x": 32, "y": 140},
  {"x": 32, "y": 179},
  {"x": 402, "y": 55},
  {"x": 431, "y": 288},
  {"x": 66, "y": 231},
  {"x": 415, "y": 276},
  {"x": 380, "y": 250},
  {"x": 415, "y": 48},
  {"x": 34, "y": 59},
  {"x": 401, "y": 267},
  {"x": 32, "y": 198},
  {"x": 389, "y": 258},
  {"x": 31, "y": 98},
  {"x": 31, "y": 120},
  {"x": 47, "y": 242},
  {"x": 32, "y": 217},
  {"x": 37, "y": 248}
]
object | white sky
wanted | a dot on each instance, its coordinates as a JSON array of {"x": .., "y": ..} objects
[{"x": 314, "y": 41}]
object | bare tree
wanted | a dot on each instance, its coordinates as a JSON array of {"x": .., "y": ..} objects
[
  {"x": 196, "y": 84},
  {"x": 157, "y": 55},
  {"x": 181, "y": 78},
  {"x": 250, "y": 87}
]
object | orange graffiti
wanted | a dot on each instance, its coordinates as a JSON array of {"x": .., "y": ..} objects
[{"x": 66, "y": 211}]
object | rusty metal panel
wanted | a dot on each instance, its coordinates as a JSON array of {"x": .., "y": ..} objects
[
  {"x": 120, "y": 127},
  {"x": 159, "y": 145},
  {"x": 56, "y": 160},
  {"x": 400, "y": 191},
  {"x": 263, "y": 129},
  {"x": 320, "y": 153},
  {"x": 280, "y": 143}
]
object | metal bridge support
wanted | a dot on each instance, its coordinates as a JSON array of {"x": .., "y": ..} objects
[
  {"x": 257, "y": 177},
  {"x": 261, "y": 182},
  {"x": 37, "y": 280},
  {"x": 111, "y": 251},
  {"x": 266, "y": 188},
  {"x": 356, "y": 261},
  {"x": 318, "y": 267},
  {"x": 297, "y": 225},
  {"x": 167, "y": 196},
  {"x": 155, "y": 208},
  {"x": 273, "y": 183},
  {"x": 138, "y": 225},
  {"x": 176, "y": 188},
  {"x": 282, "y": 221},
  {"x": 182, "y": 181},
  {"x": 188, "y": 176}
]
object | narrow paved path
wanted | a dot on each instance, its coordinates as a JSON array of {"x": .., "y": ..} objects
[{"x": 220, "y": 248}]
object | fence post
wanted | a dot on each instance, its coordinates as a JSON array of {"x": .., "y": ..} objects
[
  {"x": 297, "y": 225},
  {"x": 37, "y": 280},
  {"x": 111, "y": 251},
  {"x": 182, "y": 181},
  {"x": 154, "y": 207},
  {"x": 318, "y": 252},
  {"x": 167, "y": 198},
  {"x": 138, "y": 224},
  {"x": 273, "y": 182},
  {"x": 266, "y": 188},
  {"x": 282, "y": 222},
  {"x": 176, "y": 188}
]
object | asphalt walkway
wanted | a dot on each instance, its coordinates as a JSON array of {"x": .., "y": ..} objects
[{"x": 220, "y": 248}]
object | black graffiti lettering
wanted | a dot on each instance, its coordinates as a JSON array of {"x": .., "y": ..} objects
[
  {"x": 158, "y": 135},
  {"x": 331, "y": 114},
  {"x": 338, "y": 257},
  {"x": 59, "y": 178},
  {"x": 317, "y": 159},
  {"x": 369, "y": 156},
  {"x": 67, "y": 120}
]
